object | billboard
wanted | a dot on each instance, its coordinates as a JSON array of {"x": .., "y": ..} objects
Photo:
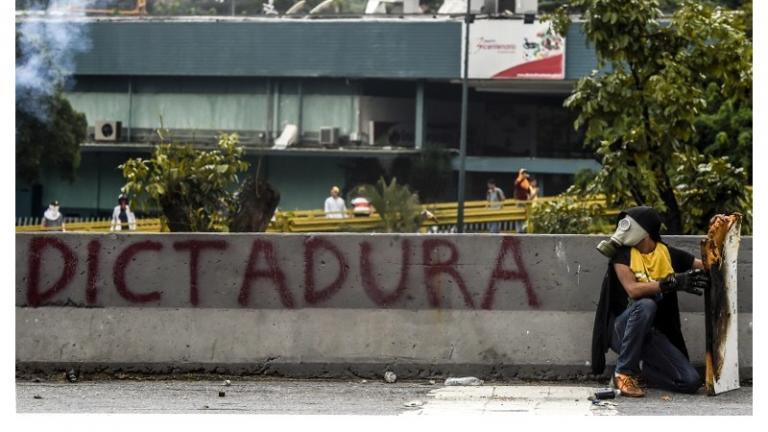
[{"x": 510, "y": 49}]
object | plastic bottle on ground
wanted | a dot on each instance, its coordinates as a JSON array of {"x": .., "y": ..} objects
[{"x": 463, "y": 381}]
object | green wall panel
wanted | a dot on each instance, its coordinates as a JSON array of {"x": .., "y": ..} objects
[
  {"x": 85, "y": 192},
  {"x": 200, "y": 111},
  {"x": 298, "y": 48},
  {"x": 334, "y": 111},
  {"x": 100, "y": 106},
  {"x": 304, "y": 182}
]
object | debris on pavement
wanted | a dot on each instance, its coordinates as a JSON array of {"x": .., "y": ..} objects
[
  {"x": 413, "y": 404},
  {"x": 431, "y": 382},
  {"x": 666, "y": 398},
  {"x": 71, "y": 376},
  {"x": 606, "y": 393},
  {"x": 464, "y": 381},
  {"x": 390, "y": 377},
  {"x": 222, "y": 394},
  {"x": 37, "y": 397},
  {"x": 227, "y": 383},
  {"x": 363, "y": 381},
  {"x": 605, "y": 404}
]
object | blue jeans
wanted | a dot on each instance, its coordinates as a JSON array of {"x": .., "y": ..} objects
[{"x": 635, "y": 339}]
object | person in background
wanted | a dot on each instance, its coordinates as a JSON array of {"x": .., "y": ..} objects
[
  {"x": 334, "y": 205},
  {"x": 522, "y": 185},
  {"x": 361, "y": 207},
  {"x": 534, "y": 190},
  {"x": 123, "y": 218},
  {"x": 522, "y": 193},
  {"x": 495, "y": 201},
  {"x": 53, "y": 220}
]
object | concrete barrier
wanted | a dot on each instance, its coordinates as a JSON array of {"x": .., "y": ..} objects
[{"x": 321, "y": 305}]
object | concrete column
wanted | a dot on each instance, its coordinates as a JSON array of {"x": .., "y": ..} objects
[
  {"x": 269, "y": 111},
  {"x": 301, "y": 110},
  {"x": 276, "y": 105},
  {"x": 130, "y": 107},
  {"x": 419, "y": 128}
]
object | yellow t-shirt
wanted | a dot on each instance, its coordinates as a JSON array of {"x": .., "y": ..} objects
[{"x": 653, "y": 266}]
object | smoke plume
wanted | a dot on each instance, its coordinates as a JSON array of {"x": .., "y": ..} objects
[{"x": 47, "y": 41}]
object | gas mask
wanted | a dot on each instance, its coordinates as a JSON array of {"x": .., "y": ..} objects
[{"x": 628, "y": 233}]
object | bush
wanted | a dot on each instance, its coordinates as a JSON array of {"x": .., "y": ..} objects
[
  {"x": 397, "y": 206},
  {"x": 192, "y": 188},
  {"x": 570, "y": 213}
]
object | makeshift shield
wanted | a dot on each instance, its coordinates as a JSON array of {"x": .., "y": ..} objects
[{"x": 720, "y": 257}]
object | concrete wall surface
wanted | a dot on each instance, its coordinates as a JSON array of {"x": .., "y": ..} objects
[{"x": 318, "y": 305}]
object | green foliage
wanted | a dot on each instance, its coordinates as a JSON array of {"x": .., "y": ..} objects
[
  {"x": 574, "y": 211},
  {"x": 725, "y": 129},
  {"x": 397, "y": 206},
  {"x": 569, "y": 214},
  {"x": 53, "y": 144},
  {"x": 641, "y": 117},
  {"x": 191, "y": 187},
  {"x": 705, "y": 187}
]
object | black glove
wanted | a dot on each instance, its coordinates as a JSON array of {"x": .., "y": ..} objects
[{"x": 692, "y": 281}]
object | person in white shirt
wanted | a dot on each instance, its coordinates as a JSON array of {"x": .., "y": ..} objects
[
  {"x": 53, "y": 220},
  {"x": 122, "y": 217},
  {"x": 334, "y": 205}
]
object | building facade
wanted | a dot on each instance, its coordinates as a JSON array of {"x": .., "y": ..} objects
[{"x": 316, "y": 102}]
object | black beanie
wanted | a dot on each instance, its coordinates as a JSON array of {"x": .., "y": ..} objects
[{"x": 647, "y": 217}]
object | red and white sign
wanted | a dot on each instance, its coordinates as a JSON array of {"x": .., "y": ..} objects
[{"x": 510, "y": 49}]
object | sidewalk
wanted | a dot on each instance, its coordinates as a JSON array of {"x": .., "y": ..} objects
[{"x": 360, "y": 397}]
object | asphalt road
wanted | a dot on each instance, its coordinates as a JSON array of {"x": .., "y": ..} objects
[{"x": 304, "y": 397}]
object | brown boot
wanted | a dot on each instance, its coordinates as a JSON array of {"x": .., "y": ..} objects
[{"x": 628, "y": 385}]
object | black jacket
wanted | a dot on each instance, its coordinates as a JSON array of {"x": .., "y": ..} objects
[{"x": 613, "y": 301}]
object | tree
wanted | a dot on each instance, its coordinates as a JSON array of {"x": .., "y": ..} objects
[
  {"x": 641, "y": 117},
  {"x": 192, "y": 188},
  {"x": 256, "y": 203},
  {"x": 51, "y": 142},
  {"x": 427, "y": 173}
]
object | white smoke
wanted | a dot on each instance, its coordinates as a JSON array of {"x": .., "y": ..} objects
[{"x": 48, "y": 40}]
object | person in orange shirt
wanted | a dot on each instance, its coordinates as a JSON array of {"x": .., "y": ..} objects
[
  {"x": 522, "y": 184},
  {"x": 522, "y": 191}
]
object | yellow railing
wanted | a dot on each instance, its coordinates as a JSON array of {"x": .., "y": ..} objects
[
  {"x": 142, "y": 225},
  {"x": 476, "y": 216}
]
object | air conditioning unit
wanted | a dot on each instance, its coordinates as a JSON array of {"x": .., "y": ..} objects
[
  {"x": 329, "y": 135},
  {"x": 107, "y": 131}
]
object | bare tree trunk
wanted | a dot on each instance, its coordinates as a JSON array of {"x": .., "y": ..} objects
[
  {"x": 672, "y": 217},
  {"x": 257, "y": 202},
  {"x": 177, "y": 220}
]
